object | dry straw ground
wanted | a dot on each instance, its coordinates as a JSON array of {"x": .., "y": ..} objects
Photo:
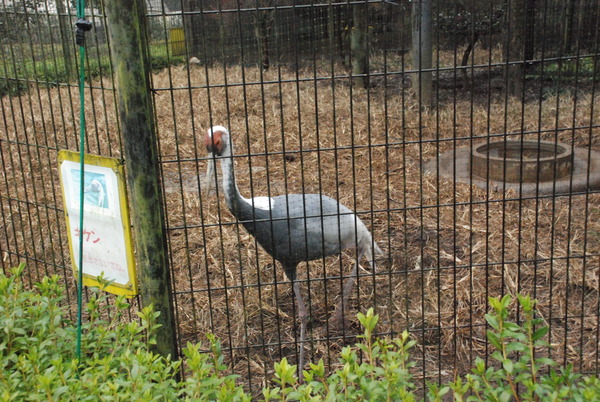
[{"x": 448, "y": 246}]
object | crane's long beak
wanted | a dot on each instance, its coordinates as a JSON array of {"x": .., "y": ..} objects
[
  {"x": 213, "y": 144},
  {"x": 210, "y": 175}
]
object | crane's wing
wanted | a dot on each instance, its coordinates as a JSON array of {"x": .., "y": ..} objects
[{"x": 312, "y": 226}]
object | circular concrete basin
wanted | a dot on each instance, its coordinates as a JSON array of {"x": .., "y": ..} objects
[{"x": 522, "y": 161}]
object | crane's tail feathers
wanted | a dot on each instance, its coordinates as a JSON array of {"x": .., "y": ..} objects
[
  {"x": 378, "y": 251},
  {"x": 371, "y": 250}
]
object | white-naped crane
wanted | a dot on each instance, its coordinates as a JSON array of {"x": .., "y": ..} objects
[
  {"x": 95, "y": 192},
  {"x": 293, "y": 228}
]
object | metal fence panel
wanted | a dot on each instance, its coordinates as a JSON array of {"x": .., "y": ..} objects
[{"x": 279, "y": 76}]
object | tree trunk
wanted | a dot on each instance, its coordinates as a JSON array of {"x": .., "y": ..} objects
[
  {"x": 66, "y": 38},
  {"x": 515, "y": 39},
  {"x": 569, "y": 27},
  {"x": 342, "y": 36},
  {"x": 359, "y": 46},
  {"x": 262, "y": 30},
  {"x": 192, "y": 24},
  {"x": 529, "y": 51},
  {"x": 126, "y": 27},
  {"x": 422, "y": 51},
  {"x": 465, "y": 59},
  {"x": 331, "y": 28}
]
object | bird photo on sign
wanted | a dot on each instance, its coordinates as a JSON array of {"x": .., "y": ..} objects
[{"x": 94, "y": 192}]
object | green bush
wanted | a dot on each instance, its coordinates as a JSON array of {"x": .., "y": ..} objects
[
  {"x": 38, "y": 358},
  {"x": 38, "y": 361},
  {"x": 383, "y": 372}
]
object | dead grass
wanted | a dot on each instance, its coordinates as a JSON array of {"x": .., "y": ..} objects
[{"x": 448, "y": 246}]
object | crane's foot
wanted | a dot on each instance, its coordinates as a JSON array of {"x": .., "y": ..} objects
[{"x": 337, "y": 320}]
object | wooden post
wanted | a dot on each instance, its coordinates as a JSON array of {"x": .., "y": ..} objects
[
  {"x": 126, "y": 27},
  {"x": 422, "y": 51}
]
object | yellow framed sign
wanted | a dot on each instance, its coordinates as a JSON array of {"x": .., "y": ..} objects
[{"x": 106, "y": 233}]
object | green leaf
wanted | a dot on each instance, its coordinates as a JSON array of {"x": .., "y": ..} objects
[
  {"x": 525, "y": 302},
  {"x": 508, "y": 366},
  {"x": 497, "y": 355},
  {"x": 494, "y": 302},
  {"x": 545, "y": 361},
  {"x": 539, "y": 333},
  {"x": 505, "y": 396},
  {"x": 516, "y": 347},
  {"x": 505, "y": 302},
  {"x": 511, "y": 326},
  {"x": 494, "y": 340},
  {"x": 493, "y": 321}
]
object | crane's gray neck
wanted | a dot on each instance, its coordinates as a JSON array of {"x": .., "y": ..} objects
[{"x": 239, "y": 206}]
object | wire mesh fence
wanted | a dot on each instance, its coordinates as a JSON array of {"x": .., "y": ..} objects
[{"x": 282, "y": 77}]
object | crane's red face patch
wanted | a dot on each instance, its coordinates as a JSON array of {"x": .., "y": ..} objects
[{"x": 214, "y": 142}]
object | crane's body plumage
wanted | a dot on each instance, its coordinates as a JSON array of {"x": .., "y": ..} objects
[
  {"x": 295, "y": 227},
  {"x": 303, "y": 227}
]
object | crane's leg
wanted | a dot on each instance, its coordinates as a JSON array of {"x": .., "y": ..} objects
[
  {"x": 303, "y": 315},
  {"x": 338, "y": 316}
]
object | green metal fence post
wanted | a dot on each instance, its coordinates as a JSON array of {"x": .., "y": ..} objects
[{"x": 126, "y": 28}]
